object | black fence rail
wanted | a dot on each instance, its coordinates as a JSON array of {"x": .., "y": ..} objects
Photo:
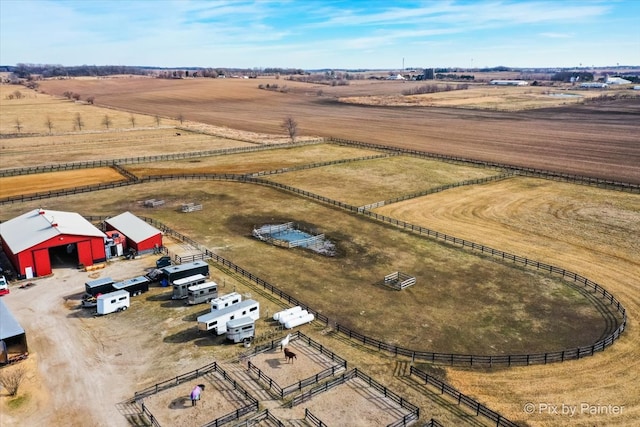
[
  {"x": 146, "y": 159},
  {"x": 164, "y": 385},
  {"x": 322, "y": 164},
  {"x": 448, "y": 187},
  {"x": 433, "y": 423},
  {"x": 280, "y": 391},
  {"x": 264, "y": 415},
  {"x": 533, "y": 172},
  {"x": 446, "y": 358},
  {"x": 463, "y": 399},
  {"x": 450, "y": 358},
  {"x": 145, "y": 411},
  {"x": 414, "y": 411},
  {"x": 213, "y": 367},
  {"x": 312, "y": 419}
]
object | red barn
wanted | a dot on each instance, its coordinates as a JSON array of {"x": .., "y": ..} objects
[
  {"x": 32, "y": 240},
  {"x": 140, "y": 235}
]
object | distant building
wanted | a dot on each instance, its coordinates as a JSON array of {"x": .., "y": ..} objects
[
  {"x": 509, "y": 82},
  {"x": 617, "y": 81},
  {"x": 593, "y": 85}
]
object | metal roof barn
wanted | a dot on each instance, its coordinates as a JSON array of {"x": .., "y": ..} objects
[
  {"x": 36, "y": 239},
  {"x": 140, "y": 235},
  {"x": 12, "y": 337}
]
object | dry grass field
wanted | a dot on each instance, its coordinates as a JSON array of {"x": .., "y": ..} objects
[
  {"x": 590, "y": 231},
  {"x": 255, "y": 162},
  {"x": 29, "y": 184},
  {"x": 595, "y": 140},
  {"x": 382, "y": 179}
]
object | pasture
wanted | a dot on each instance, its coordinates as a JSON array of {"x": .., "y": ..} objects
[{"x": 583, "y": 229}]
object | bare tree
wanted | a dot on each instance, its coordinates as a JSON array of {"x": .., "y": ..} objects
[
  {"x": 18, "y": 124},
  {"x": 17, "y": 94},
  {"x": 290, "y": 125},
  {"x": 49, "y": 124},
  {"x": 90, "y": 99},
  {"x": 76, "y": 96},
  {"x": 180, "y": 118},
  {"x": 132, "y": 119},
  {"x": 78, "y": 122},
  {"x": 157, "y": 118},
  {"x": 11, "y": 379},
  {"x": 106, "y": 121},
  {"x": 67, "y": 94}
]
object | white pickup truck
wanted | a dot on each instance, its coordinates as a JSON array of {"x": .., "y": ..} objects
[{"x": 4, "y": 285}]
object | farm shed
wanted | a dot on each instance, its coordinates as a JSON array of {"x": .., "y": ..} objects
[
  {"x": 36, "y": 239},
  {"x": 140, "y": 235},
  {"x": 13, "y": 339}
]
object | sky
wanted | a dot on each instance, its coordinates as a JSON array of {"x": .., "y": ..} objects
[{"x": 313, "y": 34}]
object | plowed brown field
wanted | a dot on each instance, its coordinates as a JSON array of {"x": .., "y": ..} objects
[{"x": 594, "y": 140}]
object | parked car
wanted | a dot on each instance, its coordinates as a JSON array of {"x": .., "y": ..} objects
[{"x": 163, "y": 261}]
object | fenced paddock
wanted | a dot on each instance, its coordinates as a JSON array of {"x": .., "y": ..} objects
[
  {"x": 363, "y": 402},
  {"x": 313, "y": 364},
  {"x": 222, "y": 401}
]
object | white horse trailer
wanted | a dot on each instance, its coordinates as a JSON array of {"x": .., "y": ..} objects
[
  {"x": 225, "y": 301},
  {"x": 217, "y": 320},
  {"x": 299, "y": 320},
  {"x": 241, "y": 329},
  {"x": 181, "y": 286},
  {"x": 283, "y": 313},
  {"x": 204, "y": 292},
  {"x": 113, "y": 301}
]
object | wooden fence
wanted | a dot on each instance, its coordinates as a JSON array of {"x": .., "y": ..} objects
[
  {"x": 312, "y": 419},
  {"x": 463, "y": 399},
  {"x": 414, "y": 411},
  {"x": 144, "y": 159},
  {"x": 280, "y": 391},
  {"x": 213, "y": 367},
  {"x": 533, "y": 172},
  {"x": 453, "y": 359}
]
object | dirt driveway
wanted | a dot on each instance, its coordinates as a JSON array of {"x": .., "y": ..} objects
[{"x": 77, "y": 362}]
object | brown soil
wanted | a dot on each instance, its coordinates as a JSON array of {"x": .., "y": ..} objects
[{"x": 587, "y": 140}]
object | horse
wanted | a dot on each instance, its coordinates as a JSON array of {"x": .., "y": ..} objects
[
  {"x": 195, "y": 394},
  {"x": 289, "y": 355}
]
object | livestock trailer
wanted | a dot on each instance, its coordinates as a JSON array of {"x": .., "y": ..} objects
[
  {"x": 217, "y": 320},
  {"x": 204, "y": 292},
  {"x": 171, "y": 273},
  {"x": 99, "y": 286},
  {"x": 241, "y": 329},
  {"x": 134, "y": 286},
  {"x": 113, "y": 301},
  {"x": 181, "y": 286},
  {"x": 225, "y": 301}
]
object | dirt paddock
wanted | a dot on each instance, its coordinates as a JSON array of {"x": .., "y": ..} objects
[
  {"x": 307, "y": 363},
  {"x": 172, "y": 407}
]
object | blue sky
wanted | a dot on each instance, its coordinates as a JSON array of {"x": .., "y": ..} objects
[{"x": 312, "y": 34}]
